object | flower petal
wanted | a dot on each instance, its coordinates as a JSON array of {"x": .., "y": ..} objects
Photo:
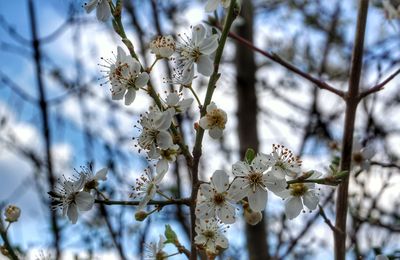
[
  {"x": 130, "y": 96},
  {"x": 226, "y": 213},
  {"x": 103, "y": 11},
  {"x": 205, "y": 65},
  {"x": 211, "y": 6},
  {"x": 162, "y": 166},
  {"x": 142, "y": 80},
  {"x": 238, "y": 189},
  {"x": 198, "y": 34},
  {"x": 258, "y": 199},
  {"x": 293, "y": 207},
  {"x": 84, "y": 201},
  {"x": 220, "y": 180},
  {"x": 311, "y": 200},
  {"x": 215, "y": 132},
  {"x": 72, "y": 213},
  {"x": 101, "y": 174},
  {"x": 164, "y": 140}
]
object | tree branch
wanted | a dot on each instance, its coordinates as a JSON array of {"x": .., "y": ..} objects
[
  {"x": 379, "y": 86},
  {"x": 185, "y": 201}
]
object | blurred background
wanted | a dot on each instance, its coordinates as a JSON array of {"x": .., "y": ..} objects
[{"x": 56, "y": 114}]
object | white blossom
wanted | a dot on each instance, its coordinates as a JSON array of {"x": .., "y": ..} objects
[
  {"x": 125, "y": 77},
  {"x": 103, "y": 10},
  {"x": 213, "y": 199},
  {"x": 197, "y": 49},
  {"x": 70, "y": 197},
  {"x": 298, "y": 194},
  {"x": 91, "y": 179},
  {"x": 212, "y": 5},
  {"x": 155, "y": 125},
  {"x": 163, "y": 46},
  {"x": 282, "y": 162},
  {"x": 146, "y": 187},
  {"x": 181, "y": 77},
  {"x": 154, "y": 251},
  {"x": 164, "y": 157},
  {"x": 214, "y": 121},
  {"x": 209, "y": 235},
  {"x": 178, "y": 105},
  {"x": 252, "y": 181}
]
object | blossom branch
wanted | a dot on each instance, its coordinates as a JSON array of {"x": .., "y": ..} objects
[
  {"x": 184, "y": 201},
  {"x": 275, "y": 57},
  {"x": 7, "y": 244},
  {"x": 379, "y": 86},
  {"x": 330, "y": 180},
  {"x": 197, "y": 149}
]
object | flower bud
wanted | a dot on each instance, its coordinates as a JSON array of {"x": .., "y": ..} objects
[
  {"x": 12, "y": 213},
  {"x": 252, "y": 217},
  {"x": 141, "y": 215}
]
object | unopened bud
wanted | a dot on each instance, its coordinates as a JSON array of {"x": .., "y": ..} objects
[
  {"x": 252, "y": 217},
  {"x": 196, "y": 126},
  {"x": 12, "y": 213},
  {"x": 141, "y": 215}
]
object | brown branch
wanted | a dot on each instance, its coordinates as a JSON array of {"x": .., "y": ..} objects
[
  {"x": 327, "y": 220},
  {"x": 352, "y": 100},
  {"x": 379, "y": 86},
  {"x": 275, "y": 57},
  {"x": 185, "y": 201}
]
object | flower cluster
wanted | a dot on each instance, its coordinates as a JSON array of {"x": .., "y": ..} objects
[{"x": 76, "y": 193}]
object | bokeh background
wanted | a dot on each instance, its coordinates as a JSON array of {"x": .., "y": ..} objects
[{"x": 64, "y": 90}]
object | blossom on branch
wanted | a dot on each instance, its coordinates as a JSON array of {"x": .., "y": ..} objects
[
  {"x": 298, "y": 194},
  {"x": 212, "y": 5},
  {"x": 210, "y": 237},
  {"x": 213, "y": 199},
  {"x": 154, "y": 251},
  {"x": 253, "y": 181},
  {"x": 214, "y": 121},
  {"x": 163, "y": 46},
  {"x": 103, "y": 10},
  {"x": 197, "y": 49}
]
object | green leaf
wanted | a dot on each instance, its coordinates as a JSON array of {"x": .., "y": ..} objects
[
  {"x": 250, "y": 155},
  {"x": 170, "y": 235}
]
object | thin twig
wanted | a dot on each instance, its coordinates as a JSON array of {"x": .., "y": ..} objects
[
  {"x": 327, "y": 220},
  {"x": 185, "y": 201},
  {"x": 379, "y": 86},
  {"x": 275, "y": 57}
]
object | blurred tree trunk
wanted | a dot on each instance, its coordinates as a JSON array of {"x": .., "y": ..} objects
[{"x": 247, "y": 120}]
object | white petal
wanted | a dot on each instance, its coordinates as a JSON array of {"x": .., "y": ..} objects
[
  {"x": 238, "y": 189},
  {"x": 164, "y": 140},
  {"x": 267, "y": 159},
  {"x": 72, "y": 213},
  {"x": 258, "y": 199},
  {"x": 222, "y": 241},
  {"x": 209, "y": 45},
  {"x": 130, "y": 96},
  {"x": 84, "y": 201},
  {"x": 204, "y": 123},
  {"x": 118, "y": 95},
  {"x": 101, "y": 174},
  {"x": 206, "y": 190},
  {"x": 162, "y": 166},
  {"x": 258, "y": 164},
  {"x": 211, "y": 6},
  {"x": 215, "y": 132},
  {"x": 103, "y": 11},
  {"x": 211, "y": 107},
  {"x": 293, "y": 207},
  {"x": 205, "y": 65},
  {"x": 310, "y": 200},
  {"x": 240, "y": 169},
  {"x": 274, "y": 184},
  {"x": 90, "y": 6},
  {"x": 198, "y": 34},
  {"x": 205, "y": 210},
  {"x": 226, "y": 213},
  {"x": 172, "y": 99},
  {"x": 220, "y": 180},
  {"x": 142, "y": 80}
]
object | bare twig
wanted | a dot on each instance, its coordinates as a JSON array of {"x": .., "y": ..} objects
[
  {"x": 185, "y": 201},
  {"x": 275, "y": 57},
  {"x": 379, "y": 86},
  {"x": 327, "y": 220}
]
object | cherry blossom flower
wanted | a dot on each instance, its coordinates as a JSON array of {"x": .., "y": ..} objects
[
  {"x": 298, "y": 194},
  {"x": 125, "y": 77},
  {"x": 209, "y": 235},
  {"x": 163, "y": 46},
  {"x": 146, "y": 187},
  {"x": 155, "y": 125},
  {"x": 178, "y": 105},
  {"x": 213, "y": 199},
  {"x": 167, "y": 156},
  {"x": 252, "y": 181},
  {"x": 197, "y": 49},
  {"x": 154, "y": 251},
  {"x": 212, "y": 5},
  {"x": 103, "y": 10},
  {"x": 181, "y": 77},
  {"x": 282, "y": 162},
  {"x": 91, "y": 179},
  {"x": 70, "y": 197},
  {"x": 214, "y": 121}
]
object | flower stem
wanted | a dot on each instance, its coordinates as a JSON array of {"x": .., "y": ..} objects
[{"x": 195, "y": 96}]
